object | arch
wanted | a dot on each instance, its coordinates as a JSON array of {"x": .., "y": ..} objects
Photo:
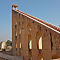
[
  {"x": 16, "y": 43},
  {"x": 51, "y": 40},
  {"x": 29, "y": 42},
  {"x": 39, "y": 39},
  {"x": 20, "y": 45}
]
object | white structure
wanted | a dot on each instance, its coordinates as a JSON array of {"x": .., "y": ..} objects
[{"x": 3, "y": 45}]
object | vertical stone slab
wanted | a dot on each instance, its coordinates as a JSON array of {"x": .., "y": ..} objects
[
  {"x": 40, "y": 47},
  {"x": 24, "y": 37},
  {"x": 34, "y": 41},
  {"x": 26, "y": 56},
  {"x": 54, "y": 45},
  {"x": 46, "y": 44},
  {"x": 59, "y": 44},
  {"x": 17, "y": 17},
  {"x": 13, "y": 33},
  {"x": 20, "y": 25},
  {"x": 55, "y": 50}
]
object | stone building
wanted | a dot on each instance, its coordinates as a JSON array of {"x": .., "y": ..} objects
[
  {"x": 33, "y": 38},
  {"x": 3, "y": 46}
]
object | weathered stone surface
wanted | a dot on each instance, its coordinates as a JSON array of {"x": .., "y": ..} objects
[{"x": 29, "y": 30}]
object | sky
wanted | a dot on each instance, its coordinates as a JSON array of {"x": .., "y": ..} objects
[{"x": 47, "y": 10}]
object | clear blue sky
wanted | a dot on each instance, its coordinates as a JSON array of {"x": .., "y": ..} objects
[{"x": 48, "y": 10}]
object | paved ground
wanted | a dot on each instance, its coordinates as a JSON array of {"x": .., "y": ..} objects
[{"x": 9, "y": 57}]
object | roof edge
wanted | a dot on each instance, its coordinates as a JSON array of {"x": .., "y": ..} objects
[{"x": 54, "y": 28}]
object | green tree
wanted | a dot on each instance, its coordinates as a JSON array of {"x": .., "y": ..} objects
[{"x": 9, "y": 43}]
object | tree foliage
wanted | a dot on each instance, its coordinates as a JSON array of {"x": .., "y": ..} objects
[{"x": 9, "y": 43}]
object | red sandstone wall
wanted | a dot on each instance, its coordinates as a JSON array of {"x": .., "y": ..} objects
[{"x": 25, "y": 24}]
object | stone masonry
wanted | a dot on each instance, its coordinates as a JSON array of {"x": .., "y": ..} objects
[{"x": 26, "y": 31}]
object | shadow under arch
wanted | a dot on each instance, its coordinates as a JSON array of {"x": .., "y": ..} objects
[
  {"x": 40, "y": 57},
  {"x": 55, "y": 56}
]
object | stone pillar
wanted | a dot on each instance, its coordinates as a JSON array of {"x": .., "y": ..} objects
[
  {"x": 20, "y": 26},
  {"x": 13, "y": 33},
  {"x": 17, "y": 34},
  {"x": 46, "y": 44},
  {"x": 24, "y": 37},
  {"x": 59, "y": 45},
  {"x": 54, "y": 44},
  {"x": 26, "y": 51},
  {"x": 34, "y": 41}
]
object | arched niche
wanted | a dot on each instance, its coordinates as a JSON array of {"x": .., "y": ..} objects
[
  {"x": 16, "y": 43},
  {"x": 29, "y": 42},
  {"x": 29, "y": 27},
  {"x": 30, "y": 45},
  {"x": 39, "y": 40}
]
